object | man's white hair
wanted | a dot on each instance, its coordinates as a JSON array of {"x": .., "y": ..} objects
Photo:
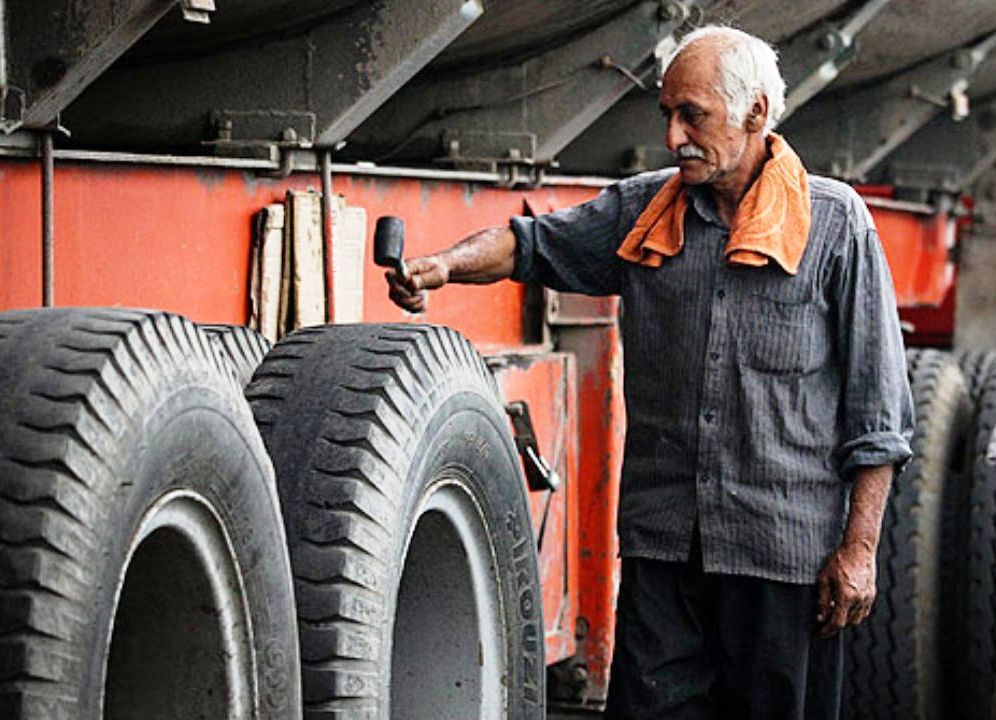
[{"x": 748, "y": 67}]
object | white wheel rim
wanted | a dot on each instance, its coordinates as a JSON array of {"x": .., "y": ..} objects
[
  {"x": 456, "y": 607},
  {"x": 184, "y": 523}
]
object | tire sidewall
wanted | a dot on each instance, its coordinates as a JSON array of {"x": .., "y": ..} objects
[
  {"x": 197, "y": 439},
  {"x": 465, "y": 441}
]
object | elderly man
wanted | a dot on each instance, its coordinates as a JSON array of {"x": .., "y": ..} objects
[{"x": 766, "y": 395}]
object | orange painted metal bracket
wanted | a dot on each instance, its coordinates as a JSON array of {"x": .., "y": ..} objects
[
  {"x": 546, "y": 381},
  {"x": 597, "y": 350}
]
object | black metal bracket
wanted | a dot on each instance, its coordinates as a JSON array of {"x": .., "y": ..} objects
[{"x": 539, "y": 474}]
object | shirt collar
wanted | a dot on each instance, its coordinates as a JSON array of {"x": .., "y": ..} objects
[{"x": 704, "y": 205}]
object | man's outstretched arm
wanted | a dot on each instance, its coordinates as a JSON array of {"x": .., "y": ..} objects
[
  {"x": 846, "y": 585},
  {"x": 484, "y": 257}
]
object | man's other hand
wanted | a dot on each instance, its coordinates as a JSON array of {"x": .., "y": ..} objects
[
  {"x": 424, "y": 273},
  {"x": 845, "y": 588}
]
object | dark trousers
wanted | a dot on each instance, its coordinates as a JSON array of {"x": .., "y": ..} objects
[{"x": 722, "y": 647}]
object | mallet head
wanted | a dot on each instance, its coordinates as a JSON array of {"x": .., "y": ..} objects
[{"x": 389, "y": 243}]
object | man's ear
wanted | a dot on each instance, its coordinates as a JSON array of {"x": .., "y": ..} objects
[{"x": 757, "y": 116}]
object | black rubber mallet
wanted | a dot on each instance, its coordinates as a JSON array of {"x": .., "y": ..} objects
[{"x": 389, "y": 244}]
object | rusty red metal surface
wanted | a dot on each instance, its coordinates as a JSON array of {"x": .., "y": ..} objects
[
  {"x": 597, "y": 349},
  {"x": 178, "y": 239}
]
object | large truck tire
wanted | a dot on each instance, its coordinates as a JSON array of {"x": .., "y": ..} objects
[
  {"x": 975, "y": 366},
  {"x": 972, "y": 673},
  {"x": 893, "y": 658},
  {"x": 143, "y": 569},
  {"x": 411, "y": 543},
  {"x": 241, "y": 348}
]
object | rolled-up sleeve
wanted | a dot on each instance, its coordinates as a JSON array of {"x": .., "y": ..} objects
[
  {"x": 572, "y": 250},
  {"x": 878, "y": 411}
]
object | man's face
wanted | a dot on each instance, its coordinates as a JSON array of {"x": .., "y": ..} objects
[{"x": 708, "y": 148}]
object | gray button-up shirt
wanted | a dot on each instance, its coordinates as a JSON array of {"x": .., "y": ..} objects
[{"x": 752, "y": 395}]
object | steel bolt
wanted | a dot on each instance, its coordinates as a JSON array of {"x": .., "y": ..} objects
[{"x": 828, "y": 41}]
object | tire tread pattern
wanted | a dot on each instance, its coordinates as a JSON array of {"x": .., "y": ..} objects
[
  {"x": 976, "y": 366},
  {"x": 68, "y": 377},
  {"x": 240, "y": 349},
  {"x": 892, "y": 658},
  {"x": 973, "y": 672},
  {"x": 382, "y": 378}
]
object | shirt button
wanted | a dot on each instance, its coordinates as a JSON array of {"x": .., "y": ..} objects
[
  {"x": 709, "y": 417},
  {"x": 706, "y": 478},
  {"x": 714, "y": 356},
  {"x": 721, "y": 294}
]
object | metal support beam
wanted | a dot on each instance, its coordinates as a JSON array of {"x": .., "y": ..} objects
[
  {"x": 873, "y": 122},
  {"x": 54, "y": 49},
  {"x": 811, "y": 62},
  {"x": 947, "y": 159},
  {"x": 946, "y": 156},
  {"x": 522, "y": 116},
  {"x": 320, "y": 81},
  {"x": 629, "y": 138}
]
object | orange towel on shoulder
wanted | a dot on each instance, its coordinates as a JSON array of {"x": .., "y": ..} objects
[{"x": 771, "y": 223}]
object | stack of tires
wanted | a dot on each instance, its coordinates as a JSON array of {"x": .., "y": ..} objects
[
  {"x": 351, "y": 542},
  {"x": 928, "y": 650}
]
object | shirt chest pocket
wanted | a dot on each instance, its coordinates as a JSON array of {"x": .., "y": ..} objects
[{"x": 776, "y": 335}]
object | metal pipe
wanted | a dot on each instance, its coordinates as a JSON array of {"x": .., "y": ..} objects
[
  {"x": 327, "y": 231},
  {"x": 361, "y": 168},
  {"x": 48, "y": 220},
  {"x": 3, "y": 54},
  {"x": 125, "y": 158},
  {"x": 327, "y": 197}
]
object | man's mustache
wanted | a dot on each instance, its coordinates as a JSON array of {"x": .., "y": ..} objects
[{"x": 691, "y": 151}]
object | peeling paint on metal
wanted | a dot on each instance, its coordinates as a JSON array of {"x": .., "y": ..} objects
[
  {"x": 469, "y": 190},
  {"x": 210, "y": 178}
]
